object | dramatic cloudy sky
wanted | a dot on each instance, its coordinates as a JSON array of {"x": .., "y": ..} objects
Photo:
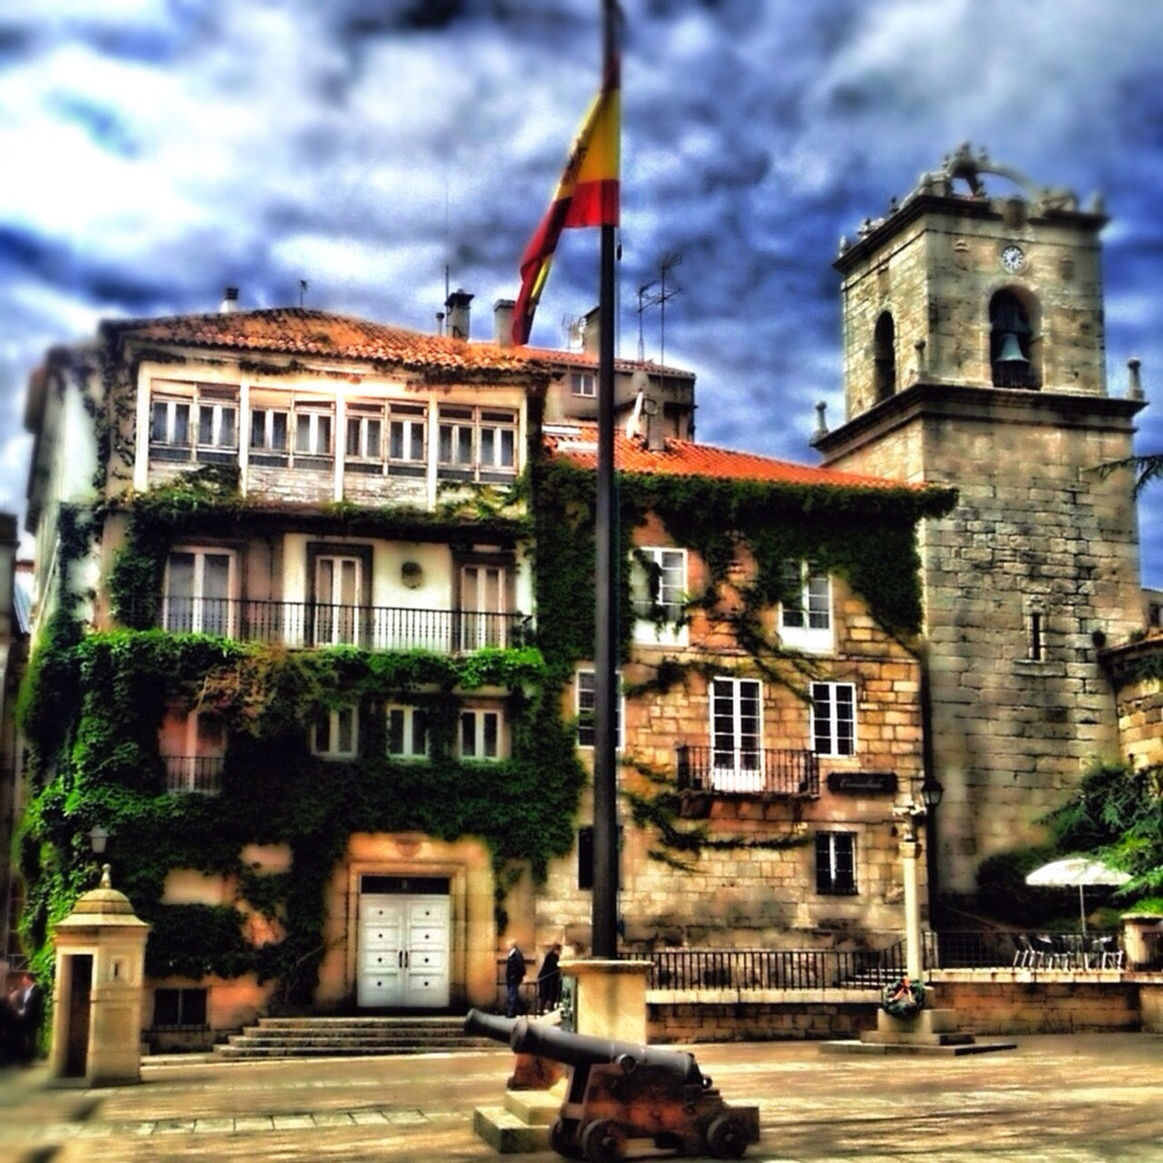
[{"x": 155, "y": 151}]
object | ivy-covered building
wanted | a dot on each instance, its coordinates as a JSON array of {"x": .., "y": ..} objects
[{"x": 314, "y": 609}]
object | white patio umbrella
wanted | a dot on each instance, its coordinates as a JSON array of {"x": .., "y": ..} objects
[{"x": 1080, "y": 871}]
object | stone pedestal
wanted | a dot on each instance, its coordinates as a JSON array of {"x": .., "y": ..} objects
[
  {"x": 1142, "y": 936},
  {"x": 97, "y": 998},
  {"x": 609, "y": 998}
]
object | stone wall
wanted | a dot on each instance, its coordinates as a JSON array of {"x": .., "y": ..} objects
[{"x": 1135, "y": 670}]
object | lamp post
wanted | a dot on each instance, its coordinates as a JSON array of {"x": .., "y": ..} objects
[
  {"x": 911, "y": 815},
  {"x": 931, "y": 793}
]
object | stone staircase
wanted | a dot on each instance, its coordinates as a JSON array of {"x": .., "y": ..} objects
[{"x": 306, "y": 1037}]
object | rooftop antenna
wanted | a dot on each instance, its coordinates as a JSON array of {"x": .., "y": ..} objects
[
  {"x": 302, "y": 290},
  {"x": 649, "y": 297}
]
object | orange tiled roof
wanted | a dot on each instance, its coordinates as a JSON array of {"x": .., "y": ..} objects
[
  {"x": 298, "y": 331},
  {"x": 578, "y": 444},
  {"x": 584, "y": 359}
]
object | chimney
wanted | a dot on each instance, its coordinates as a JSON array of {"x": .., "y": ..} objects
[
  {"x": 592, "y": 332},
  {"x": 1134, "y": 382},
  {"x": 458, "y": 313},
  {"x": 503, "y": 322},
  {"x": 229, "y": 300}
]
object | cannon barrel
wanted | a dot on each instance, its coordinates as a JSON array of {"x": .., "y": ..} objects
[
  {"x": 489, "y": 1026},
  {"x": 587, "y": 1050}
]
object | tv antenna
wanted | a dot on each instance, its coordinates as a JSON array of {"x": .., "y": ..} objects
[{"x": 656, "y": 293}]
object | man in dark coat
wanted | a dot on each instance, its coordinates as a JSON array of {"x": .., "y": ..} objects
[
  {"x": 27, "y": 1007},
  {"x": 549, "y": 981},
  {"x": 514, "y": 975}
]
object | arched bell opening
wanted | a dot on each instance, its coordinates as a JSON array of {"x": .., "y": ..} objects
[
  {"x": 1014, "y": 348},
  {"x": 884, "y": 357}
]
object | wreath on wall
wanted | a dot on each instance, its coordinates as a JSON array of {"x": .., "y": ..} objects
[{"x": 903, "y": 998}]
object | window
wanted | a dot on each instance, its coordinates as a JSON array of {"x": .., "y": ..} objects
[
  {"x": 833, "y": 718},
  {"x": 484, "y": 618},
  {"x": 407, "y": 430},
  {"x": 584, "y": 704},
  {"x": 194, "y": 421},
  {"x": 736, "y": 733},
  {"x": 334, "y": 734},
  {"x": 477, "y": 443},
  {"x": 480, "y": 734},
  {"x": 805, "y": 620},
  {"x": 313, "y": 421},
  {"x": 582, "y": 383},
  {"x": 268, "y": 434},
  {"x": 199, "y": 583},
  {"x": 179, "y": 1007},
  {"x": 407, "y": 732},
  {"x": 192, "y": 749},
  {"x": 836, "y": 863},
  {"x": 1037, "y": 645},
  {"x": 658, "y": 583},
  {"x": 365, "y": 431},
  {"x": 339, "y": 599}
]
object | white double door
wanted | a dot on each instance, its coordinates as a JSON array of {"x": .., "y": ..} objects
[{"x": 403, "y": 951}]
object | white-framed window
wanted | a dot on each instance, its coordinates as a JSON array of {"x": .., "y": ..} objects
[
  {"x": 836, "y": 863},
  {"x": 584, "y": 708},
  {"x": 407, "y": 433},
  {"x": 193, "y": 420},
  {"x": 658, "y": 588},
  {"x": 834, "y": 718},
  {"x": 193, "y": 748},
  {"x": 339, "y": 599},
  {"x": 480, "y": 734},
  {"x": 406, "y": 729},
  {"x": 335, "y": 734},
  {"x": 268, "y": 430},
  {"x": 736, "y": 706},
  {"x": 582, "y": 384},
  {"x": 313, "y": 428},
  {"x": 805, "y": 622},
  {"x": 199, "y": 585},
  {"x": 365, "y": 432},
  {"x": 477, "y": 441},
  {"x": 484, "y": 619}
]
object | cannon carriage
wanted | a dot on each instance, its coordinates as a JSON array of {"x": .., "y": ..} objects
[{"x": 620, "y": 1091}]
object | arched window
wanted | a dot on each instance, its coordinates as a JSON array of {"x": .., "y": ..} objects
[
  {"x": 884, "y": 357},
  {"x": 1010, "y": 343}
]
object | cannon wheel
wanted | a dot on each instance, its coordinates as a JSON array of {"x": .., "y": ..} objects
[
  {"x": 602, "y": 1141},
  {"x": 564, "y": 1142},
  {"x": 727, "y": 1138}
]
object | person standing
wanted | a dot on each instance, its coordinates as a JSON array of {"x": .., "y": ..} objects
[
  {"x": 549, "y": 981},
  {"x": 514, "y": 975},
  {"x": 27, "y": 1007}
]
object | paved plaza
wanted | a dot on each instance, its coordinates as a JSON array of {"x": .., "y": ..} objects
[{"x": 1066, "y": 1098}]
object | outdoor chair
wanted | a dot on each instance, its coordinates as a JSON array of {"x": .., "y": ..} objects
[
  {"x": 1025, "y": 955},
  {"x": 1106, "y": 953}
]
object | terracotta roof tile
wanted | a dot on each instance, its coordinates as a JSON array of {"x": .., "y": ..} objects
[
  {"x": 298, "y": 331},
  {"x": 578, "y": 444}
]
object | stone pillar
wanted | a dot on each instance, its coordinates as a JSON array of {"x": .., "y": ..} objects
[
  {"x": 910, "y": 849},
  {"x": 609, "y": 998},
  {"x": 97, "y": 997}
]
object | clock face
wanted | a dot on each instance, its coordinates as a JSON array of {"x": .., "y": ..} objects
[{"x": 1012, "y": 259}]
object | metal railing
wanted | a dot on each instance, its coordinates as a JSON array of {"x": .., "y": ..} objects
[
  {"x": 318, "y": 624},
  {"x": 1003, "y": 949},
  {"x": 201, "y": 774},
  {"x": 749, "y": 969},
  {"x": 769, "y": 771}
]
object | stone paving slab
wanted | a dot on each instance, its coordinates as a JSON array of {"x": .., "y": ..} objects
[{"x": 1055, "y": 1099}]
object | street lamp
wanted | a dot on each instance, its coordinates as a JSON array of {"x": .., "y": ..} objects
[{"x": 98, "y": 837}]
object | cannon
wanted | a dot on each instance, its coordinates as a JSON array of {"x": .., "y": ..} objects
[
  {"x": 530, "y": 1072},
  {"x": 619, "y": 1091}
]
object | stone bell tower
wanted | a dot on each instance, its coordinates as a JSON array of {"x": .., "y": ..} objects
[{"x": 974, "y": 356}]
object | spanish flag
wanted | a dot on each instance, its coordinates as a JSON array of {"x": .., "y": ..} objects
[{"x": 587, "y": 195}]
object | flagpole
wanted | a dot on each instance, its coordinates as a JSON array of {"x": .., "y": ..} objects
[{"x": 605, "y": 891}]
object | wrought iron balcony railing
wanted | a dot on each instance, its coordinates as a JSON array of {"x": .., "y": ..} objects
[
  {"x": 317, "y": 624},
  {"x": 771, "y": 771},
  {"x": 194, "y": 773}
]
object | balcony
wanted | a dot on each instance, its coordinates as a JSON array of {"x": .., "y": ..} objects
[
  {"x": 186, "y": 774},
  {"x": 316, "y": 624},
  {"x": 767, "y": 771}
]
